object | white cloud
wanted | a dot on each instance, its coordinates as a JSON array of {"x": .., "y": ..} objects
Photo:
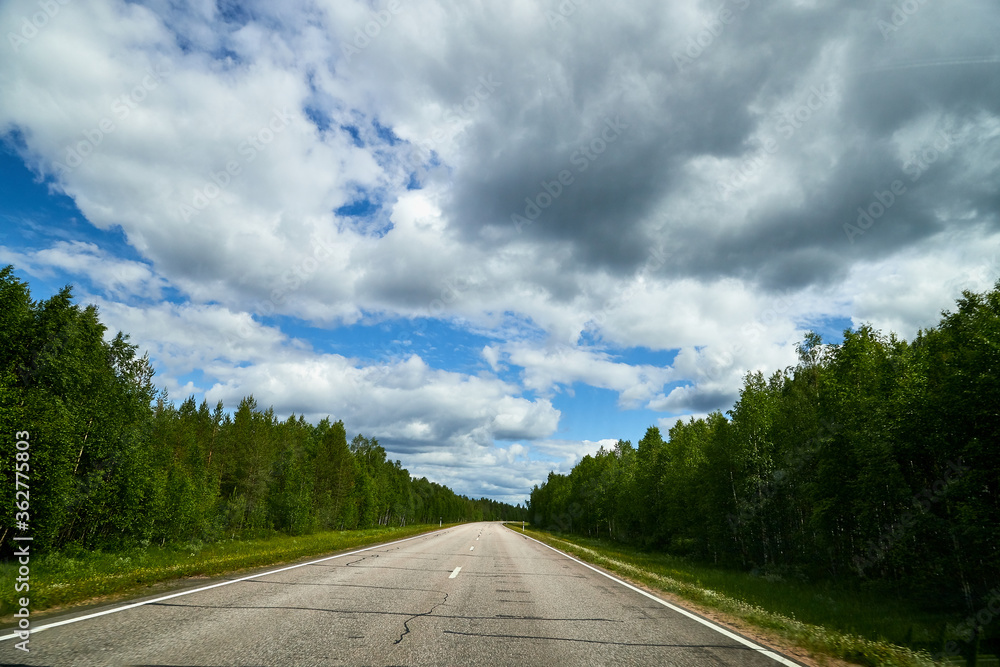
[
  {"x": 119, "y": 278},
  {"x": 908, "y": 292},
  {"x": 405, "y": 402},
  {"x": 564, "y": 365},
  {"x": 444, "y": 122}
]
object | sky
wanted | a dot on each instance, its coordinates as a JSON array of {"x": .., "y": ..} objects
[{"x": 497, "y": 235}]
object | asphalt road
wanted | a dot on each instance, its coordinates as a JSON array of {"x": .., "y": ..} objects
[{"x": 513, "y": 602}]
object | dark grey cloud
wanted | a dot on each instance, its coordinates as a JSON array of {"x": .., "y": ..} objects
[{"x": 942, "y": 64}]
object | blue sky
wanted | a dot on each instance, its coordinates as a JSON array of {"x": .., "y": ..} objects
[{"x": 497, "y": 239}]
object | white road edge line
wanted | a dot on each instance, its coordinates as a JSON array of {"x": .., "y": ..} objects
[
  {"x": 746, "y": 642},
  {"x": 205, "y": 588},
  {"x": 455, "y": 572}
]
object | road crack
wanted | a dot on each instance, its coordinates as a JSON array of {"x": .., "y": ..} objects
[
  {"x": 406, "y": 623},
  {"x": 361, "y": 559}
]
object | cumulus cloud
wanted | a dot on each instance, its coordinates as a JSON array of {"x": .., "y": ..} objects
[
  {"x": 564, "y": 365},
  {"x": 566, "y": 188},
  {"x": 117, "y": 277},
  {"x": 406, "y": 403}
]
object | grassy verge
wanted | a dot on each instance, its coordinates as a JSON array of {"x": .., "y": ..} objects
[
  {"x": 850, "y": 626},
  {"x": 61, "y": 579}
]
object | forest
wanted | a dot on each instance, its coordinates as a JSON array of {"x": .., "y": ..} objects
[
  {"x": 872, "y": 462},
  {"x": 115, "y": 464}
]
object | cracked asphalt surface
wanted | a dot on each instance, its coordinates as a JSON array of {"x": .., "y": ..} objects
[{"x": 514, "y": 602}]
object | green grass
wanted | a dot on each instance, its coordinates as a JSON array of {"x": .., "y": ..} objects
[
  {"x": 62, "y": 579},
  {"x": 859, "y": 626}
]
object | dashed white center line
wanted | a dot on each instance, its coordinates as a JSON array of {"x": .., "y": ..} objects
[{"x": 455, "y": 573}]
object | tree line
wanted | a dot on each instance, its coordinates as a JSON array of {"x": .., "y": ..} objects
[
  {"x": 114, "y": 463},
  {"x": 873, "y": 460}
]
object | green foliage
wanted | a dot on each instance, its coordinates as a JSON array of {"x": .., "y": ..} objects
[
  {"x": 116, "y": 466},
  {"x": 873, "y": 461},
  {"x": 84, "y": 401}
]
